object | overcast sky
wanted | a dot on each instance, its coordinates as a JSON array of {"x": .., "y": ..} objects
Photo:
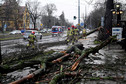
[{"x": 70, "y": 7}]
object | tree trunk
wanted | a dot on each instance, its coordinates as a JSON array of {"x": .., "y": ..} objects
[
  {"x": 0, "y": 54},
  {"x": 108, "y": 19},
  {"x": 34, "y": 25},
  {"x": 30, "y": 76},
  {"x": 97, "y": 29},
  {"x": 8, "y": 69},
  {"x": 62, "y": 75},
  {"x": 16, "y": 25}
]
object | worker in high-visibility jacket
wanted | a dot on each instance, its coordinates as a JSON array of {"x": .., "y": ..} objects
[
  {"x": 69, "y": 34},
  {"x": 76, "y": 32},
  {"x": 32, "y": 39},
  {"x": 84, "y": 33},
  {"x": 73, "y": 34}
]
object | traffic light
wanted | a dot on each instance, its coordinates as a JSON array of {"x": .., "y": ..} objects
[{"x": 75, "y": 17}]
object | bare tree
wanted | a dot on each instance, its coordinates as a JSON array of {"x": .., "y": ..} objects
[
  {"x": 48, "y": 11},
  {"x": 62, "y": 18},
  {"x": 16, "y": 15},
  {"x": 9, "y": 12},
  {"x": 94, "y": 19},
  {"x": 34, "y": 10}
]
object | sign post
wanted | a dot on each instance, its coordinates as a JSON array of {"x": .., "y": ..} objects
[{"x": 117, "y": 31}]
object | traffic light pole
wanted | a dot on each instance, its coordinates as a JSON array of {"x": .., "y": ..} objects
[
  {"x": 79, "y": 14},
  {"x": 78, "y": 11}
]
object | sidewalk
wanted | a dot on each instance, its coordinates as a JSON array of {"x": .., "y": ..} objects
[{"x": 109, "y": 62}]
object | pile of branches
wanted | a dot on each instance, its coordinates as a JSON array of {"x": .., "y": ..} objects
[{"x": 57, "y": 66}]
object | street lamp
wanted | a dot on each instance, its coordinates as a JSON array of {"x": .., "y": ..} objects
[
  {"x": 118, "y": 12},
  {"x": 121, "y": 12},
  {"x": 117, "y": 5}
]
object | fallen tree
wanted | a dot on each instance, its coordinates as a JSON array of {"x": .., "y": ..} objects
[
  {"x": 94, "y": 50},
  {"x": 84, "y": 53},
  {"x": 50, "y": 60},
  {"x": 61, "y": 75},
  {"x": 25, "y": 55},
  {"x": 47, "y": 64},
  {"x": 7, "y": 68},
  {"x": 30, "y": 76},
  {"x": 97, "y": 29}
]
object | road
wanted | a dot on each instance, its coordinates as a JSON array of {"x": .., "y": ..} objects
[{"x": 8, "y": 46}]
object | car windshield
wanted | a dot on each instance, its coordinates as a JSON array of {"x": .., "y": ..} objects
[{"x": 54, "y": 29}]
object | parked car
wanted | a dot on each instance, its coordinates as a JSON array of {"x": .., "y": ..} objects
[
  {"x": 28, "y": 32},
  {"x": 49, "y": 30},
  {"x": 15, "y": 32},
  {"x": 43, "y": 31}
]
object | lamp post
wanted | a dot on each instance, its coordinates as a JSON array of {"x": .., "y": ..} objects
[{"x": 118, "y": 12}]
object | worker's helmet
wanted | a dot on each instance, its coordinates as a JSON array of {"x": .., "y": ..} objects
[
  {"x": 72, "y": 26},
  {"x": 68, "y": 28},
  {"x": 33, "y": 32}
]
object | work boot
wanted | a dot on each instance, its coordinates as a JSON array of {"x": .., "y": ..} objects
[
  {"x": 27, "y": 47},
  {"x": 72, "y": 43}
]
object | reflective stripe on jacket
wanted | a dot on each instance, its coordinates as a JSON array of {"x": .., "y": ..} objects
[
  {"x": 69, "y": 32},
  {"x": 72, "y": 31}
]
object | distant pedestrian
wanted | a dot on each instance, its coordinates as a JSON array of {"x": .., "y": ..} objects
[
  {"x": 73, "y": 34},
  {"x": 69, "y": 34},
  {"x": 84, "y": 33},
  {"x": 76, "y": 33}
]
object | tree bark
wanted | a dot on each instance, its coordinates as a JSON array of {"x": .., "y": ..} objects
[
  {"x": 0, "y": 54},
  {"x": 108, "y": 19},
  {"x": 4, "y": 69},
  {"x": 30, "y": 76},
  {"x": 97, "y": 29},
  {"x": 45, "y": 65},
  {"x": 58, "y": 77}
]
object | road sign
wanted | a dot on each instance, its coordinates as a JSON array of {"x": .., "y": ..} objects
[
  {"x": 117, "y": 31},
  {"x": 41, "y": 24},
  {"x": 82, "y": 24}
]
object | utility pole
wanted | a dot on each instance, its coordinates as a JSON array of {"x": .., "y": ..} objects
[{"x": 79, "y": 14}]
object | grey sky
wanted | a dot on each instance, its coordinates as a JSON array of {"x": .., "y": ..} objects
[{"x": 70, "y": 7}]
